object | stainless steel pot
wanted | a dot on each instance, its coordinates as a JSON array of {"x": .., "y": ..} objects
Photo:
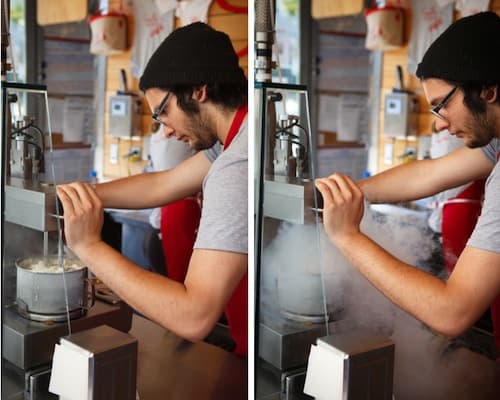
[
  {"x": 300, "y": 294},
  {"x": 42, "y": 293}
]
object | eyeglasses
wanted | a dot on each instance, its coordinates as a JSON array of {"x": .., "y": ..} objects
[
  {"x": 159, "y": 110},
  {"x": 435, "y": 110}
]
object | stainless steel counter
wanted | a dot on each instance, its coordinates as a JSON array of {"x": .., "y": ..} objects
[{"x": 172, "y": 368}]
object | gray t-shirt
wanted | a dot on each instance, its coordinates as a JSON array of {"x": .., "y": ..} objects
[
  {"x": 224, "y": 216},
  {"x": 486, "y": 234}
]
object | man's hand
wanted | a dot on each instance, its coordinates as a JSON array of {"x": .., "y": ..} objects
[
  {"x": 343, "y": 206},
  {"x": 83, "y": 215}
]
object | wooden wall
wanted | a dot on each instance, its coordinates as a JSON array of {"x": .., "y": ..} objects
[
  {"x": 390, "y": 60},
  {"x": 235, "y": 25}
]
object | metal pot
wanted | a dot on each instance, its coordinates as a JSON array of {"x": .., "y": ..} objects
[{"x": 41, "y": 294}]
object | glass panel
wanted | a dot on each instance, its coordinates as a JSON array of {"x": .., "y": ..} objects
[
  {"x": 17, "y": 40},
  {"x": 291, "y": 307},
  {"x": 33, "y": 233},
  {"x": 29, "y": 188}
]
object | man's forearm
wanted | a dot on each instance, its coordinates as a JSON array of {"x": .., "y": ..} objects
[
  {"x": 420, "y": 294},
  {"x": 163, "y": 300},
  {"x": 402, "y": 183},
  {"x": 155, "y": 189},
  {"x": 423, "y": 178},
  {"x": 134, "y": 192}
]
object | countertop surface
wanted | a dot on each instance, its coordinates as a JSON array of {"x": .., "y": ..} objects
[
  {"x": 168, "y": 367},
  {"x": 463, "y": 375},
  {"x": 426, "y": 367},
  {"x": 171, "y": 368}
]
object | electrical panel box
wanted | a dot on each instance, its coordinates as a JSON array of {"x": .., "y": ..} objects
[
  {"x": 124, "y": 116},
  {"x": 400, "y": 115}
]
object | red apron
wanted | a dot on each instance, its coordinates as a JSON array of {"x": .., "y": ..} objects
[
  {"x": 178, "y": 226},
  {"x": 460, "y": 215}
]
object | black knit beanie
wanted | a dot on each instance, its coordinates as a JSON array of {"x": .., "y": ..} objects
[
  {"x": 467, "y": 51},
  {"x": 191, "y": 55}
]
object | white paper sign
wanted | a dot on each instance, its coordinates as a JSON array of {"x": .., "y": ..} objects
[
  {"x": 70, "y": 373},
  {"x": 79, "y": 119},
  {"x": 328, "y": 113},
  {"x": 325, "y": 373},
  {"x": 56, "y": 110},
  {"x": 353, "y": 118}
]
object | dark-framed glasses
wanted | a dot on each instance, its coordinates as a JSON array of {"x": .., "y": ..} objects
[
  {"x": 159, "y": 110},
  {"x": 437, "y": 108}
]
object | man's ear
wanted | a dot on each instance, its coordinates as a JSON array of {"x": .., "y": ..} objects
[
  {"x": 200, "y": 94},
  {"x": 490, "y": 94}
]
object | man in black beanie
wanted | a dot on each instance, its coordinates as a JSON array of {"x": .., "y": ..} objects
[
  {"x": 460, "y": 74},
  {"x": 198, "y": 93}
]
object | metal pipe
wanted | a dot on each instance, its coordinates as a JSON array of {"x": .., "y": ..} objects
[{"x": 264, "y": 39}]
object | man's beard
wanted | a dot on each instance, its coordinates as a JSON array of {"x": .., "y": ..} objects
[
  {"x": 204, "y": 135},
  {"x": 198, "y": 145},
  {"x": 481, "y": 128}
]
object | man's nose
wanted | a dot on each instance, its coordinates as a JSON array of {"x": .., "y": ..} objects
[
  {"x": 441, "y": 124},
  {"x": 167, "y": 131}
]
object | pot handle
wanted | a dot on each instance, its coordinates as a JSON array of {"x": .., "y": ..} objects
[
  {"x": 22, "y": 306},
  {"x": 90, "y": 295}
]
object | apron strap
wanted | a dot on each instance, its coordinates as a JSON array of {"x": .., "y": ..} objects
[{"x": 236, "y": 124}]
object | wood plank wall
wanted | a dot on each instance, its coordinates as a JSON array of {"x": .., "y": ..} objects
[
  {"x": 390, "y": 60},
  {"x": 235, "y": 25}
]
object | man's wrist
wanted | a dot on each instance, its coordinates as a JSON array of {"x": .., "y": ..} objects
[
  {"x": 85, "y": 252},
  {"x": 346, "y": 239}
]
